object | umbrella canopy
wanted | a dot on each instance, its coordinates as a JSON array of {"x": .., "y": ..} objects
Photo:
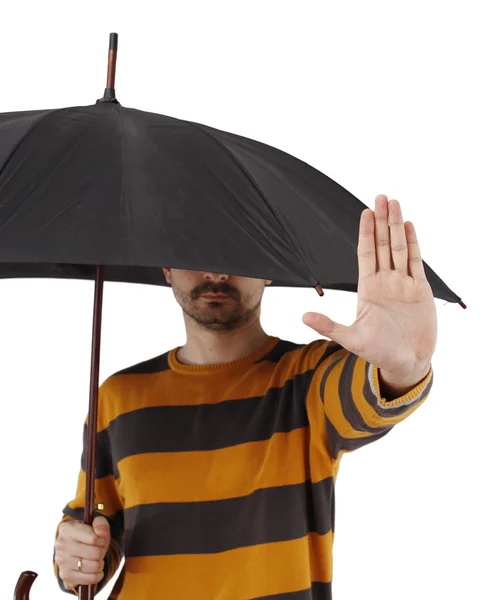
[{"x": 136, "y": 191}]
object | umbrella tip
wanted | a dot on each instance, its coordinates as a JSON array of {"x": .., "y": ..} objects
[
  {"x": 462, "y": 304},
  {"x": 318, "y": 287},
  {"x": 113, "y": 41}
]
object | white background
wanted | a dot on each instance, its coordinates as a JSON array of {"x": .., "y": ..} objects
[{"x": 383, "y": 97}]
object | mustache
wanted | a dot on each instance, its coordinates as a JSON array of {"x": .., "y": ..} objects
[{"x": 212, "y": 289}]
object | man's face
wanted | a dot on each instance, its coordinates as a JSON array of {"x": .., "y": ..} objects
[{"x": 239, "y": 306}]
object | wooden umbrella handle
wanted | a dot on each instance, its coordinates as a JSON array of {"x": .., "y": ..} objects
[{"x": 24, "y": 584}]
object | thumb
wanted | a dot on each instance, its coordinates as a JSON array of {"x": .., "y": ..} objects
[
  {"x": 101, "y": 527},
  {"x": 325, "y": 326}
]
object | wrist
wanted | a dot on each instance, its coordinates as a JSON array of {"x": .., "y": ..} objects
[{"x": 395, "y": 384}]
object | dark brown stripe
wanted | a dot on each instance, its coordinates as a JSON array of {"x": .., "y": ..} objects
[
  {"x": 318, "y": 591},
  {"x": 201, "y": 427},
  {"x": 215, "y": 526},
  {"x": 206, "y": 527}
]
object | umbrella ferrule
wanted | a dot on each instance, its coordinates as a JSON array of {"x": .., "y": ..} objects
[{"x": 109, "y": 96}]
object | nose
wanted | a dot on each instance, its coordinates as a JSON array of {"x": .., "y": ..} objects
[{"x": 216, "y": 276}]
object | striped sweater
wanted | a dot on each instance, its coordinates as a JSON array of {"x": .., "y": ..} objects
[{"x": 218, "y": 480}]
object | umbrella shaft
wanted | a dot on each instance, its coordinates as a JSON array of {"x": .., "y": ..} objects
[{"x": 86, "y": 592}]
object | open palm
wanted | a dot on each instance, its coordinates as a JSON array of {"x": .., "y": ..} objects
[{"x": 396, "y": 324}]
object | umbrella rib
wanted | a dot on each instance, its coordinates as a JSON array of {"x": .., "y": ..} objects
[{"x": 260, "y": 192}]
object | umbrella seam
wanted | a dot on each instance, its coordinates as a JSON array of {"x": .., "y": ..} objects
[{"x": 260, "y": 192}]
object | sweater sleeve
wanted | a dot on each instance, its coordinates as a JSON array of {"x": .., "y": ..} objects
[
  {"x": 344, "y": 402},
  {"x": 105, "y": 493}
]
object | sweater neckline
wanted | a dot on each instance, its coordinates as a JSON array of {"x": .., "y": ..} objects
[{"x": 180, "y": 367}]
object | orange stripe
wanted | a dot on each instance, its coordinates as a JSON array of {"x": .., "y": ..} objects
[
  {"x": 236, "y": 574},
  {"x": 106, "y": 491},
  {"x": 218, "y": 474}
]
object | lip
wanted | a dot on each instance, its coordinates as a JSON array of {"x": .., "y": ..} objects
[{"x": 215, "y": 296}]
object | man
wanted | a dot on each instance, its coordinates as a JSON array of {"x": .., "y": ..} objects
[{"x": 216, "y": 461}]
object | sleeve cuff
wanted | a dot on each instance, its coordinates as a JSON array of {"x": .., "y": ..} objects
[{"x": 413, "y": 396}]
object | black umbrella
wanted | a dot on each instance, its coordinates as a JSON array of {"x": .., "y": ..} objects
[{"x": 111, "y": 193}]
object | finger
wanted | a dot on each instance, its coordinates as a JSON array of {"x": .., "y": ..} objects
[
  {"x": 343, "y": 335},
  {"x": 80, "y": 532},
  {"x": 86, "y": 551},
  {"x": 381, "y": 216},
  {"x": 366, "y": 248},
  {"x": 399, "y": 247},
  {"x": 89, "y": 567},
  {"x": 416, "y": 266}
]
